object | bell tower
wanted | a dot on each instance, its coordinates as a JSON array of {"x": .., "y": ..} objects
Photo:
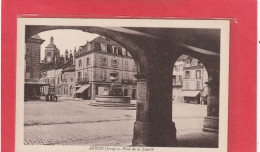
[{"x": 50, "y": 51}]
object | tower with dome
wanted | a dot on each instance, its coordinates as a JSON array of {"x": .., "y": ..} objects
[{"x": 52, "y": 53}]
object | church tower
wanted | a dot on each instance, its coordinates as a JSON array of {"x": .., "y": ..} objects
[{"x": 51, "y": 51}]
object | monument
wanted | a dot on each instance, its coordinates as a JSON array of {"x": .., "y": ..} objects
[{"x": 113, "y": 95}]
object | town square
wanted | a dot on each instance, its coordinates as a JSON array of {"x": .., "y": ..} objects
[{"x": 122, "y": 86}]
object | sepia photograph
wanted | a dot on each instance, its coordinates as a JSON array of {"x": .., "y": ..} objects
[{"x": 122, "y": 85}]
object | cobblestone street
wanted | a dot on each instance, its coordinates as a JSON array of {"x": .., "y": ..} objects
[{"x": 71, "y": 122}]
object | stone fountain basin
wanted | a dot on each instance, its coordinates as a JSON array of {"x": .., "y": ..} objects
[{"x": 112, "y": 99}]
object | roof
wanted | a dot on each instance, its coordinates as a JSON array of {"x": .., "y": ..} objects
[
  {"x": 53, "y": 65},
  {"x": 47, "y": 66},
  {"x": 182, "y": 57},
  {"x": 70, "y": 68},
  {"x": 37, "y": 37},
  {"x": 51, "y": 45},
  {"x": 102, "y": 39}
]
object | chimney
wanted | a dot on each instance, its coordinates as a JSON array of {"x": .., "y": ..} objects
[
  {"x": 66, "y": 55},
  {"x": 51, "y": 40}
]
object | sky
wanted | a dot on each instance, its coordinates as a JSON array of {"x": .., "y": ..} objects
[{"x": 65, "y": 39}]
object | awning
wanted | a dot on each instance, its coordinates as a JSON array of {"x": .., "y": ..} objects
[
  {"x": 36, "y": 83},
  {"x": 190, "y": 93},
  {"x": 83, "y": 88}
]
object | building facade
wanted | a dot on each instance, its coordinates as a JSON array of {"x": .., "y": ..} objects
[
  {"x": 189, "y": 82},
  {"x": 32, "y": 86},
  {"x": 68, "y": 82},
  {"x": 52, "y": 53},
  {"x": 177, "y": 80},
  {"x": 52, "y": 69},
  {"x": 96, "y": 61},
  {"x": 32, "y": 57}
]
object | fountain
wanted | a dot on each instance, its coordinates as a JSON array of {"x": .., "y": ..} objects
[{"x": 113, "y": 95}]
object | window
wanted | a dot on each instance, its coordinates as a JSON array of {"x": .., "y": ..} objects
[
  {"x": 114, "y": 63},
  {"x": 123, "y": 51},
  {"x": 187, "y": 74},
  {"x": 88, "y": 61},
  {"x": 120, "y": 51},
  {"x": 103, "y": 61},
  {"x": 186, "y": 85},
  {"x": 199, "y": 63},
  {"x": 80, "y": 63},
  {"x": 180, "y": 67},
  {"x": 198, "y": 85},
  {"x": 71, "y": 79},
  {"x": 198, "y": 73},
  {"x": 115, "y": 49},
  {"x": 104, "y": 47},
  {"x": 48, "y": 53},
  {"x": 126, "y": 64},
  {"x": 180, "y": 78},
  {"x": 134, "y": 67},
  {"x": 89, "y": 47},
  {"x": 126, "y": 78},
  {"x": 103, "y": 75},
  {"x": 79, "y": 75}
]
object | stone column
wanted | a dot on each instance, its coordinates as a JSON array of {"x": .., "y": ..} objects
[
  {"x": 141, "y": 125},
  {"x": 211, "y": 121},
  {"x": 154, "y": 126}
]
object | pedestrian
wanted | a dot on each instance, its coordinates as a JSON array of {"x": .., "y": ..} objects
[
  {"x": 56, "y": 98},
  {"x": 47, "y": 97}
]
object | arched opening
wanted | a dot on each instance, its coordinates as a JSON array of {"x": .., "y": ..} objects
[
  {"x": 66, "y": 70},
  {"x": 190, "y": 96},
  {"x": 152, "y": 56}
]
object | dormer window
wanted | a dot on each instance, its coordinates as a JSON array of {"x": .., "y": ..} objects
[
  {"x": 103, "y": 47},
  {"x": 48, "y": 53},
  {"x": 124, "y": 51},
  {"x": 88, "y": 47},
  {"x": 115, "y": 49}
]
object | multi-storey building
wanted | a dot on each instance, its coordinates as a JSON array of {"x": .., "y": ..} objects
[
  {"x": 32, "y": 57},
  {"x": 177, "y": 79},
  {"x": 68, "y": 82},
  {"x": 52, "y": 69},
  {"x": 194, "y": 78},
  {"x": 189, "y": 77},
  {"x": 96, "y": 61}
]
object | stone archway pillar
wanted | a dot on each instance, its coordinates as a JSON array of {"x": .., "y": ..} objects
[
  {"x": 211, "y": 121},
  {"x": 142, "y": 125},
  {"x": 154, "y": 126}
]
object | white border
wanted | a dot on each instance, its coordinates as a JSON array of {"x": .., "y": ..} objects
[{"x": 224, "y": 25}]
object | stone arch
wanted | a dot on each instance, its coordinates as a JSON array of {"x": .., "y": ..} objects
[
  {"x": 154, "y": 58},
  {"x": 137, "y": 53}
]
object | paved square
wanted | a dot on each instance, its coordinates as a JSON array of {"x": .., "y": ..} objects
[{"x": 70, "y": 122}]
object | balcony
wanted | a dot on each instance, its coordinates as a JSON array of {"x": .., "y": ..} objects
[
  {"x": 128, "y": 81},
  {"x": 80, "y": 80},
  {"x": 177, "y": 83}
]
